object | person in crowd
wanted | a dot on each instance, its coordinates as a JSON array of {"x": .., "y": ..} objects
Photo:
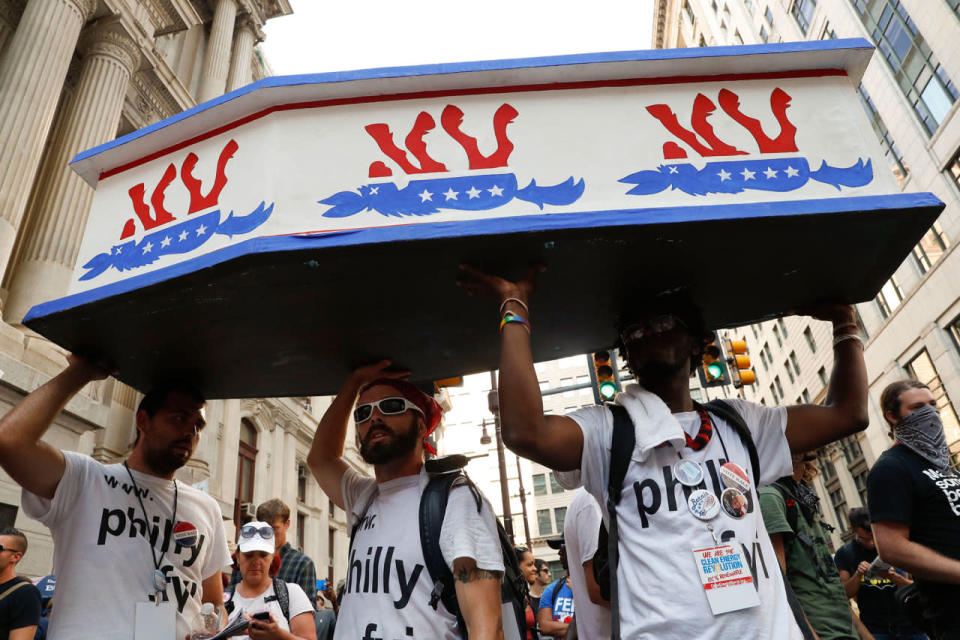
[
  {"x": 543, "y": 579},
  {"x": 913, "y": 495},
  {"x": 294, "y": 565},
  {"x": 661, "y": 520},
  {"x": 388, "y": 590},
  {"x": 528, "y": 564},
  {"x": 257, "y": 591},
  {"x": 142, "y": 538},
  {"x": 556, "y": 602},
  {"x": 873, "y": 586},
  {"x": 791, "y": 513},
  {"x": 20, "y": 605},
  {"x": 580, "y": 529}
]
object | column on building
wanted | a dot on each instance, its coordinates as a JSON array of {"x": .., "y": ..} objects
[
  {"x": 245, "y": 37},
  {"x": 277, "y": 459},
  {"x": 32, "y": 71},
  {"x": 216, "y": 64},
  {"x": 59, "y": 211},
  {"x": 288, "y": 474},
  {"x": 113, "y": 442}
]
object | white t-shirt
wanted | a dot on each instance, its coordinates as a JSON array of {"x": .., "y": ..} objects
[
  {"x": 101, "y": 554},
  {"x": 660, "y": 589},
  {"x": 580, "y": 529},
  {"x": 387, "y": 592},
  {"x": 267, "y": 601}
]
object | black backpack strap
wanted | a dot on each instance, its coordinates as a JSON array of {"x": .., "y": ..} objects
[
  {"x": 433, "y": 506},
  {"x": 622, "y": 443},
  {"x": 733, "y": 418},
  {"x": 282, "y": 592},
  {"x": 556, "y": 594},
  {"x": 228, "y": 598}
]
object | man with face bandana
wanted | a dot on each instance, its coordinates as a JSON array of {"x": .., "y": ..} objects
[
  {"x": 913, "y": 495},
  {"x": 388, "y": 589}
]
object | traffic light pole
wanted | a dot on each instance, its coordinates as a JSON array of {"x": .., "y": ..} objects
[
  {"x": 493, "y": 401},
  {"x": 523, "y": 502}
]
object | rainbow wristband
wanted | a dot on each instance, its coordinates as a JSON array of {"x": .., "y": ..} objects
[{"x": 509, "y": 317}]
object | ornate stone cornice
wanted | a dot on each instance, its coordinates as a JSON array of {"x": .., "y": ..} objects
[
  {"x": 152, "y": 96},
  {"x": 660, "y": 23},
  {"x": 83, "y": 8},
  {"x": 113, "y": 43},
  {"x": 250, "y": 23}
]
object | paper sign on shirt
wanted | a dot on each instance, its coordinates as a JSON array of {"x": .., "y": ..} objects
[
  {"x": 155, "y": 622},
  {"x": 726, "y": 579}
]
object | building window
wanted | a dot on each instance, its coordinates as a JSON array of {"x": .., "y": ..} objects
[
  {"x": 736, "y": 37},
  {"x": 768, "y": 15},
  {"x": 776, "y": 381},
  {"x": 773, "y": 392},
  {"x": 302, "y": 483},
  {"x": 748, "y": 5},
  {"x": 839, "y": 503},
  {"x": 786, "y": 366},
  {"x": 776, "y": 334},
  {"x": 827, "y": 469},
  {"x": 828, "y": 32},
  {"x": 554, "y": 485},
  {"x": 921, "y": 368},
  {"x": 560, "y": 513},
  {"x": 713, "y": 5},
  {"x": 889, "y": 298},
  {"x": 890, "y": 150},
  {"x": 688, "y": 11},
  {"x": 331, "y": 551},
  {"x": 808, "y": 336},
  {"x": 955, "y": 5},
  {"x": 802, "y": 12},
  {"x": 764, "y": 36},
  {"x": 860, "y": 481},
  {"x": 783, "y": 328},
  {"x": 822, "y": 374},
  {"x": 931, "y": 248},
  {"x": 806, "y": 396},
  {"x": 8, "y": 515},
  {"x": 795, "y": 363},
  {"x": 539, "y": 484},
  {"x": 917, "y": 71},
  {"x": 851, "y": 448},
  {"x": 701, "y": 42},
  {"x": 301, "y": 529},
  {"x": 756, "y": 332},
  {"x": 544, "y": 523},
  {"x": 246, "y": 466}
]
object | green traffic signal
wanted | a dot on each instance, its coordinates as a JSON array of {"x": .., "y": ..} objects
[
  {"x": 715, "y": 369},
  {"x": 608, "y": 389}
]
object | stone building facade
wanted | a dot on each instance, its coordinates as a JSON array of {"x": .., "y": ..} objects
[
  {"x": 912, "y": 327},
  {"x": 75, "y": 74}
]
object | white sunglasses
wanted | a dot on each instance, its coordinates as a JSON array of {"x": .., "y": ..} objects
[{"x": 387, "y": 406}]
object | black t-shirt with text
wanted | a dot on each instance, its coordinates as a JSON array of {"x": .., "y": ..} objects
[
  {"x": 19, "y": 609},
  {"x": 879, "y": 610},
  {"x": 905, "y": 487}
]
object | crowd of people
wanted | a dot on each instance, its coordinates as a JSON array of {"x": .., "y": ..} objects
[{"x": 690, "y": 520}]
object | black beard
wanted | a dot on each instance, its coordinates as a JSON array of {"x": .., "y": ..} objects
[
  {"x": 162, "y": 461},
  {"x": 393, "y": 448}
]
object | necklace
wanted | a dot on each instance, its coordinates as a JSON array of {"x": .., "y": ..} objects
[
  {"x": 703, "y": 436},
  {"x": 159, "y": 580}
]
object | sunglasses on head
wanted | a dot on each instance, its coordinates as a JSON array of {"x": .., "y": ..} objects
[
  {"x": 387, "y": 407},
  {"x": 248, "y": 531},
  {"x": 651, "y": 326}
]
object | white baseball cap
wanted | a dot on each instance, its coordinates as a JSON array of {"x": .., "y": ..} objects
[{"x": 256, "y": 536}]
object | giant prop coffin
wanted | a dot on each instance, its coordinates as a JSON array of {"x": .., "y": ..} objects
[{"x": 265, "y": 242}]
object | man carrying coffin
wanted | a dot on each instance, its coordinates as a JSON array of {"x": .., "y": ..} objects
[
  {"x": 388, "y": 593},
  {"x": 693, "y": 562},
  {"x": 135, "y": 551}
]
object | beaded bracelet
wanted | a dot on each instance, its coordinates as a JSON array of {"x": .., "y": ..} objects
[
  {"x": 847, "y": 336},
  {"x": 510, "y": 317}
]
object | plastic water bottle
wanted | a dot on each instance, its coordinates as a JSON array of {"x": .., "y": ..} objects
[{"x": 206, "y": 624}]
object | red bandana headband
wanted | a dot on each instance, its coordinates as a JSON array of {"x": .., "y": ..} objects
[{"x": 430, "y": 407}]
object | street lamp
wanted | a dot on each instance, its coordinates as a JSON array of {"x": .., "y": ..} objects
[{"x": 485, "y": 437}]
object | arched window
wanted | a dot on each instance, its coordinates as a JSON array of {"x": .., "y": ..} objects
[{"x": 246, "y": 466}]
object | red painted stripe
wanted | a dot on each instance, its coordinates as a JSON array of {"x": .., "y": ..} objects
[{"x": 555, "y": 86}]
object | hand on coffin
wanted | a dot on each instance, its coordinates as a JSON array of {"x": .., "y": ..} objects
[
  {"x": 478, "y": 283},
  {"x": 83, "y": 370},
  {"x": 368, "y": 373},
  {"x": 838, "y": 314}
]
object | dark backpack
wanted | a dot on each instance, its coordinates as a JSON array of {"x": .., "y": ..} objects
[
  {"x": 607, "y": 557},
  {"x": 445, "y": 474},
  {"x": 281, "y": 595}
]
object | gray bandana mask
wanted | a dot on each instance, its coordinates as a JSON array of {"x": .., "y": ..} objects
[{"x": 922, "y": 431}]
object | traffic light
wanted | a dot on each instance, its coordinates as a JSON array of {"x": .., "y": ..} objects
[
  {"x": 604, "y": 376},
  {"x": 713, "y": 369},
  {"x": 740, "y": 371}
]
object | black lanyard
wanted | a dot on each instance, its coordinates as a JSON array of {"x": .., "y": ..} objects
[{"x": 156, "y": 562}]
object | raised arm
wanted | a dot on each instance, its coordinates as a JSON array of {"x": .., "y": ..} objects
[
  {"x": 33, "y": 464},
  {"x": 326, "y": 453},
  {"x": 812, "y": 426},
  {"x": 553, "y": 441}
]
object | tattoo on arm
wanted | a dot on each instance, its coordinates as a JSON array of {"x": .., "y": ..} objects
[{"x": 469, "y": 575}]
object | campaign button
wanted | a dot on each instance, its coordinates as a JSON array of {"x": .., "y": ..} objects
[
  {"x": 734, "y": 477},
  {"x": 185, "y": 534},
  {"x": 734, "y": 503},
  {"x": 688, "y": 472},
  {"x": 703, "y": 504}
]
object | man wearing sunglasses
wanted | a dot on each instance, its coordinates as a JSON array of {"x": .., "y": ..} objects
[
  {"x": 131, "y": 542},
  {"x": 19, "y": 599},
  {"x": 388, "y": 593},
  {"x": 670, "y": 511}
]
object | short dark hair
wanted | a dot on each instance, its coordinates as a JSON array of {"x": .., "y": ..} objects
[
  {"x": 520, "y": 552},
  {"x": 16, "y": 533},
  {"x": 273, "y": 509},
  {"x": 541, "y": 564},
  {"x": 859, "y": 518},
  {"x": 890, "y": 398},
  {"x": 156, "y": 397}
]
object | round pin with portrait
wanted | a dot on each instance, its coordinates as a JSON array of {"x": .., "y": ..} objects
[
  {"x": 688, "y": 472},
  {"x": 734, "y": 477},
  {"x": 734, "y": 503},
  {"x": 703, "y": 504}
]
